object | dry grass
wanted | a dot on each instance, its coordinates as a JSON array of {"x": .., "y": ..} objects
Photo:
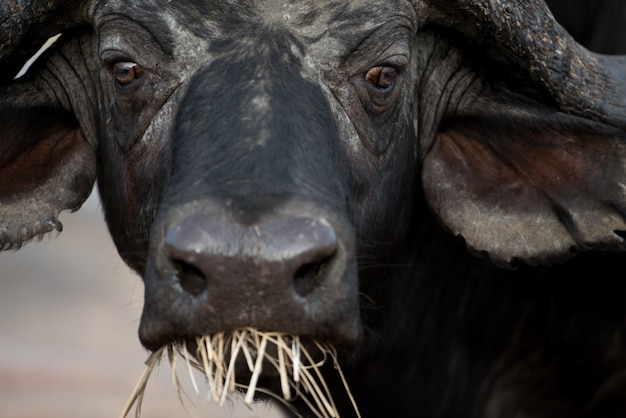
[{"x": 217, "y": 355}]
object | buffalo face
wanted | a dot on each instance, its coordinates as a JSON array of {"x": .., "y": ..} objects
[
  {"x": 307, "y": 167},
  {"x": 250, "y": 167}
]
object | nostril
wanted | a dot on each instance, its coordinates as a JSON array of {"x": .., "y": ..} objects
[
  {"x": 294, "y": 253},
  {"x": 191, "y": 279},
  {"x": 310, "y": 276}
]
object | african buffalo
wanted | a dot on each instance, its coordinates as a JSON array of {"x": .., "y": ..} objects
[{"x": 391, "y": 179}]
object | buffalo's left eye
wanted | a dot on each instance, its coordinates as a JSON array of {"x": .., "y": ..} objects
[
  {"x": 382, "y": 77},
  {"x": 126, "y": 72}
]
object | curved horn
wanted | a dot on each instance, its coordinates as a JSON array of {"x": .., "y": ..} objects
[
  {"x": 581, "y": 82},
  {"x": 26, "y": 24}
]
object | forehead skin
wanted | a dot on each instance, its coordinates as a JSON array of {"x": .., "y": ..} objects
[
  {"x": 330, "y": 41},
  {"x": 334, "y": 28}
]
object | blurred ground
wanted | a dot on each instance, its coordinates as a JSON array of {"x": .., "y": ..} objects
[{"x": 69, "y": 312}]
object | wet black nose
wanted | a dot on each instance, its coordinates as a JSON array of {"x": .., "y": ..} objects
[
  {"x": 210, "y": 273},
  {"x": 284, "y": 257}
]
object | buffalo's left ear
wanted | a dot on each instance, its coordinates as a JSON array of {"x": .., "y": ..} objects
[{"x": 530, "y": 184}]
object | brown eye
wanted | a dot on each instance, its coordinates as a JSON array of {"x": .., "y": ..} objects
[
  {"x": 126, "y": 72},
  {"x": 382, "y": 77}
]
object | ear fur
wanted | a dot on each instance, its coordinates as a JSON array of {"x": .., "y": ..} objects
[
  {"x": 522, "y": 182},
  {"x": 46, "y": 166}
]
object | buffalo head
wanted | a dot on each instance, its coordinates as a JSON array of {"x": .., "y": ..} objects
[{"x": 267, "y": 164}]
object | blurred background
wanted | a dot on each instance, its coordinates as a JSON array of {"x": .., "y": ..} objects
[{"x": 69, "y": 313}]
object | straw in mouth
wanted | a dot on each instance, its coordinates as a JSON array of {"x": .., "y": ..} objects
[{"x": 216, "y": 357}]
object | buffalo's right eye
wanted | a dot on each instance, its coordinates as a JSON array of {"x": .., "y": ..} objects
[
  {"x": 382, "y": 77},
  {"x": 126, "y": 72}
]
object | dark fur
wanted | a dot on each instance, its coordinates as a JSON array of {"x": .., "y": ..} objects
[{"x": 424, "y": 326}]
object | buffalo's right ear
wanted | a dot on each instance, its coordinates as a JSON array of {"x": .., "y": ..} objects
[{"x": 46, "y": 166}]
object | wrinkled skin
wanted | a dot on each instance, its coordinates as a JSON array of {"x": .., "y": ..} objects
[
  {"x": 252, "y": 86},
  {"x": 222, "y": 133}
]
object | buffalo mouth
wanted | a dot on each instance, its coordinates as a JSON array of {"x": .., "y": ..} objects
[{"x": 255, "y": 364}]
